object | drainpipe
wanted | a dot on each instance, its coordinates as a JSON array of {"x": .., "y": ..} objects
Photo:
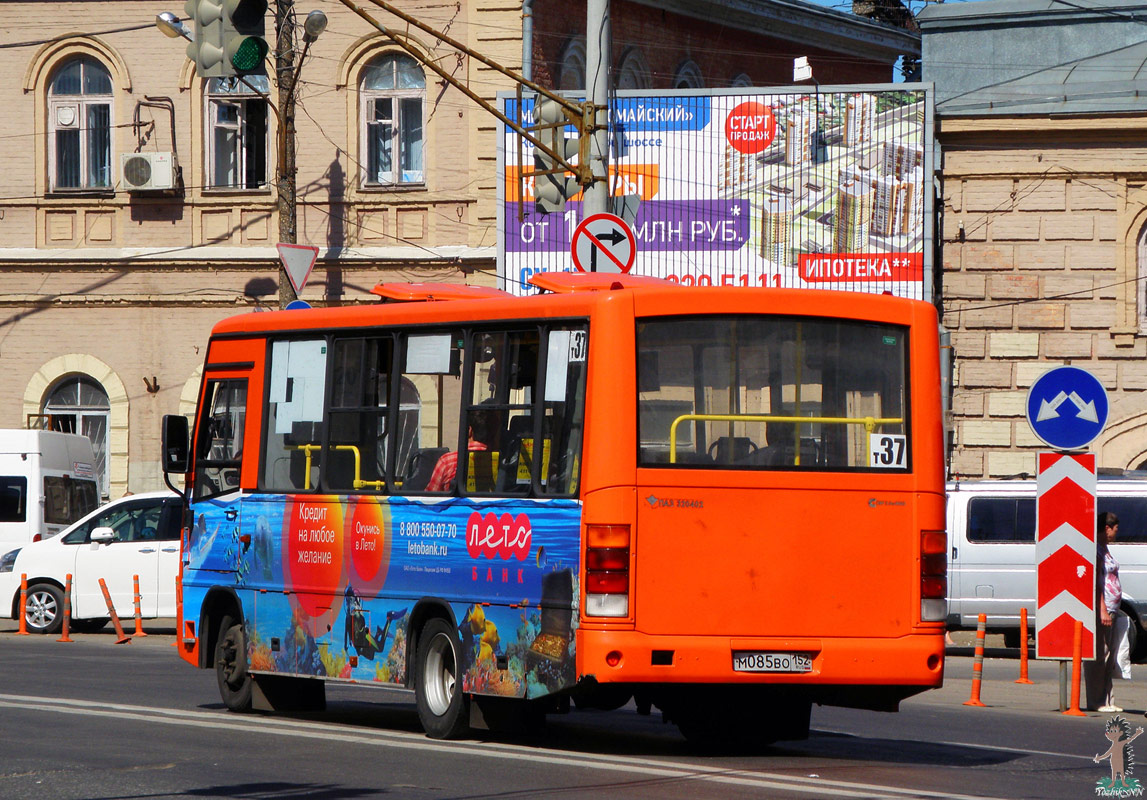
[{"x": 528, "y": 39}]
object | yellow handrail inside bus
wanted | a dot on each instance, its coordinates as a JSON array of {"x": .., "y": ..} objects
[
  {"x": 869, "y": 424},
  {"x": 307, "y": 449},
  {"x": 358, "y": 483}
]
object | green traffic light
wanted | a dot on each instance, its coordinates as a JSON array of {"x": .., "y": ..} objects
[{"x": 249, "y": 54}]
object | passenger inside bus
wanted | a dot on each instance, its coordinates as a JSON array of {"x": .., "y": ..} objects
[
  {"x": 484, "y": 426},
  {"x": 781, "y": 450}
]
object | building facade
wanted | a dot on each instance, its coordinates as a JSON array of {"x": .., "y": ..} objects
[
  {"x": 1044, "y": 217},
  {"x": 711, "y": 44},
  {"x": 138, "y": 201}
]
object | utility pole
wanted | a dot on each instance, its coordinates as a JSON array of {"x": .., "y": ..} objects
[
  {"x": 228, "y": 42},
  {"x": 285, "y": 173},
  {"x": 598, "y": 43}
]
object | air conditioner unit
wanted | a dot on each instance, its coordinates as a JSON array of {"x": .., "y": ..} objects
[{"x": 147, "y": 172}]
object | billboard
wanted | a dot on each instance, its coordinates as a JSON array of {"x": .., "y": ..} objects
[{"x": 825, "y": 188}]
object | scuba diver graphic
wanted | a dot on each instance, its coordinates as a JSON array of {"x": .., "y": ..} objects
[{"x": 357, "y": 632}]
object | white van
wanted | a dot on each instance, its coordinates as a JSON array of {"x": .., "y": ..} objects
[
  {"x": 47, "y": 482},
  {"x": 991, "y": 552}
]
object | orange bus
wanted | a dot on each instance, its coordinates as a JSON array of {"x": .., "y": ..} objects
[{"x": 727, "y": 503}]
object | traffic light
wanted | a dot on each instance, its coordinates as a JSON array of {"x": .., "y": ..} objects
[
  {"x": 552, "y": 185},
  {"x": 228, "y": 37},
  {"x": 244, "y": 27}
]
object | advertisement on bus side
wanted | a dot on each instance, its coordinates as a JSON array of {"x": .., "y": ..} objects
[{"x": 340, "y": 577}]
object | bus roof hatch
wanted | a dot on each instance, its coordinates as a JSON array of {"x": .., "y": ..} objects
[
  {"x": 411, "y": 292},
  {"x": 566, "y": 282}
]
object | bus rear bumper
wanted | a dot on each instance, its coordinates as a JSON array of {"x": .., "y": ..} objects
[{"x": 911, "y": 663}]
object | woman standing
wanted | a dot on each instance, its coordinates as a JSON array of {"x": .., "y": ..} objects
[{"x": 1100, "y": 672}]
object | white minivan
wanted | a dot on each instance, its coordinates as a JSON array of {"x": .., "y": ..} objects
[
  {"x": 47, "y": 482},
  {"x": 991, "y": 552},
  {"x": 134, "y": 537}
]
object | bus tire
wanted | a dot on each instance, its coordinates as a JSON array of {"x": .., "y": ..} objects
[
  {"x": 231, "y": 665},
  {"x": 442, "y": 705},
  {"x": 44, "y": 608}
]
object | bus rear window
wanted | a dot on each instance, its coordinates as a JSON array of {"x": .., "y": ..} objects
[{"x": 772, "y": 393}]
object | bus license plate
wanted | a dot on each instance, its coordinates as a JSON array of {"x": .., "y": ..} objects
[{"x": 771, "y": 662}]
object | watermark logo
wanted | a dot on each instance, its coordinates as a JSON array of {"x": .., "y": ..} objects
[{"x": 1122, "y": 760}]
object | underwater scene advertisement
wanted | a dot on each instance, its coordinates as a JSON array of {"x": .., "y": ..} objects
[{"x": 328, "y": 583}]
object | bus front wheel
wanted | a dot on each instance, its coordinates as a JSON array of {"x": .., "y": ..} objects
[
  {"x": 442, "y": 706},
  {"x": 231, "y": 665}
]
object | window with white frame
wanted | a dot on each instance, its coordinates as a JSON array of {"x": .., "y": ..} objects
[
  {"x": 79, "y": 404},
  {"x": 392, "y": 92},
  {"x": 237, "y": 132},
  {"x": 79, "y": 126}
]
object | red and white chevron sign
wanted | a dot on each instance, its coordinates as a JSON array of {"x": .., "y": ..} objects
[{"x": 1065, "y": 553}]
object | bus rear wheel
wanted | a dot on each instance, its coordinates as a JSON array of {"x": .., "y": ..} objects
[
  {"x": 442, "y": 705},
  {"x": 231, "y": 665}
]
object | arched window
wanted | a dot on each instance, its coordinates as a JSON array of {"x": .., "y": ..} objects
[
  {"x": 742, "y": 81},
  {"x": 633, "y": 72},
  {"x": 79, "y": 126},
  {"x": 391, "y": 92},
  {"x": 236, "y": 118},
  {"x": 1141, "y": 284},
  {"x": 571, "y": 71},
  {"x": 78, "y": 404},
  {"x": 688, "y": 77}
]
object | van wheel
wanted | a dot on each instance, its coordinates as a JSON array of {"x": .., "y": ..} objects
[
  {"x": 442, "y": 706},
  {"x": 231, "y": 665},
  {"x": 43, "y": 610}
]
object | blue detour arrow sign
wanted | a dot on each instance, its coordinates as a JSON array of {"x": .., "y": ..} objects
[
  {"x": 1086, "y": 411},
  {"x": 1067, "y": 408}
]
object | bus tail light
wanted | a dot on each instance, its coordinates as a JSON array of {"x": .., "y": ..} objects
[
  {"x": 933, "y": 575},
  {"x": 607, "y": 570}
]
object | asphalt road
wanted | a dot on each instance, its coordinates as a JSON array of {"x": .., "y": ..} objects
[{"x": 94, "y": 719}]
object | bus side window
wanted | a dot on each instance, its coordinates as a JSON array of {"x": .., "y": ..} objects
[
  {"x": 357, "y": 415},
  {"x": 219, "y": 451},
  {"x": 429, "y": 408},
  {"x": 564, "y": 410},
  {"x": 501, "y": 411},
  {"x": 292, "y": 454}
]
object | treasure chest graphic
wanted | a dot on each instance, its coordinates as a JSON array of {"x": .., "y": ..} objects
[{"x": 551, "y": 645}]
